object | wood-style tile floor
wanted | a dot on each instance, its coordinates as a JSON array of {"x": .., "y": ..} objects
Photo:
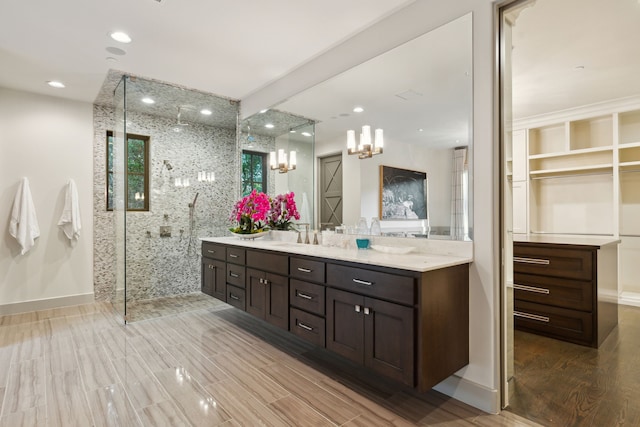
[
  {"x": 79, "y": 366},
  {"x": 562, "y": 384}
]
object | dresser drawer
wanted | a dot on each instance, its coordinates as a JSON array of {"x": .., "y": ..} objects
[
  {"x": 236, "y": 297},
  {"x": 267, "y": 261},
  {"x": 386, "y": 286},
  {"x": 236, "y": 275},
  {"x": 568, "y": 325},
  {"x": 307, "y": 326},
  {"x": 213, "y": 250},
  {"x": 567, "y": 293},
  {"x": 305, "y": 269},
  {"x": 556, "y": 262},
  {"x": 236, "y": 255},
  {"x": 307, "y": 296}
]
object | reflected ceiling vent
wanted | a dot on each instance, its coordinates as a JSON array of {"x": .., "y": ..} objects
[{"x": 409, "y": 94}]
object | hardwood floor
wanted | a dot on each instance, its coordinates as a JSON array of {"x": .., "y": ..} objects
[
  {"x": 79, "y": 366},
  {"x": 562, "y": 384}
]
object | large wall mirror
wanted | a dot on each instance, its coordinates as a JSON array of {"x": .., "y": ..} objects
[
  {"x": 271, "y": 131},
  {"x": 420, "y": 94}
]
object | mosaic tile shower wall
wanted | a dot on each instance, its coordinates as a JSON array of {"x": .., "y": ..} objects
[{"x": 162, "y": 266}]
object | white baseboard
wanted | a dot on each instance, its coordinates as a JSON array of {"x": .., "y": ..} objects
[
  {"x": 476, "y": 395},
  {"x": 45, "y": 304},
  {"x": 629, "y": 298}
]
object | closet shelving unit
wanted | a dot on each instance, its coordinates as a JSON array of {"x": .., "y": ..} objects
[{"x": 578, "y": 172}]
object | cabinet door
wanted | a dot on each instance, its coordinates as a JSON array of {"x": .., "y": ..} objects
[
  {"x": 256, "y": 295},
  {"x": 345, "y": 325},
  {"x": 388, "y": 346},
  {"x": 277, "y": 303},
  {"x": 213, "y": 278},
  {"x": 520, "y": 206}
]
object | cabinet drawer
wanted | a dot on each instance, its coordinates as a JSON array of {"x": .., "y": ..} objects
[
  {"x": 236, "y": 255},
  {"x": 307, "y": 296},
  {"x": 265, "y": 261},
  {"x": 235, "y": 275},
  {"x": 568, "y": 325},
  {"x": 236, "y": 297},
  {"x": 305, "y": 269},
  {"x": 213, "y": 250},
  {"x": 386, "y": 286},
  {"x": 567, "y": 293},
  {"x": 307, "y": 326},
  {"x": 556, "y": 262}
]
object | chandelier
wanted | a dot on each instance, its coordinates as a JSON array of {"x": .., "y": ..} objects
[
  {"x": 366, "y": 148},
  {"x": 280, "y": 163}
]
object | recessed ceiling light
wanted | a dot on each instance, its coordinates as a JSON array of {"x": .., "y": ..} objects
[
  {"x": 306, "y": 134},
  {"x": 205, "y": 112},
  {"x": 578, "y": 68},
  {"x": 56, "y": 84},
  {"x": 269, "y": 126},
  {"x": 420, "y": 130},
  {"x": 292, "y": 131},
  {"x": 264, "y": 111},
  {"x": 120, "y": 36},
  {"x": 358, "y": 109},
  {"x": 115, "y": 51},
  {"x": 111, "y": 59},
  {"x": 148, "y": 101}
]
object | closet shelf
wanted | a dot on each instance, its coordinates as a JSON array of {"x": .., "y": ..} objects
[
  {"x": 571, "y": 152},
  {"x": 630, "y": 164},
  {"x": 607, "y": 167},
  {"x": 629, "y": 145}
]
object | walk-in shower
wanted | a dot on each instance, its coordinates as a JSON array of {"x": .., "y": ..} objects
[{"x": 157, "y": 250}]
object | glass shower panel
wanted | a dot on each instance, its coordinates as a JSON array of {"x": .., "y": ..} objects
[{"x": 118, "y": 184}]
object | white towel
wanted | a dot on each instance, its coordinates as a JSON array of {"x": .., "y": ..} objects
[
  {"x": 24, "y": 222},
  {"x": 70, "y": 219}
]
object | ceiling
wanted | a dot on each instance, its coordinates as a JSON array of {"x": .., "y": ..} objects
[
  {"x": 553, "y": 37},
  {"x": 226, "y": 47},
  {"x": 233, "y": 48}
]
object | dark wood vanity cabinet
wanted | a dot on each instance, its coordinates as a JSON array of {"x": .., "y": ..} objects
[
  {"x": 213, "y": 271},
  {"x": 372, "y": 332},
  {"x": 410, "y": 326},
  {"x": 560, "y": 291}
]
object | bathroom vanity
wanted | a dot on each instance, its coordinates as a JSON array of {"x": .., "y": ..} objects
[
  {"x": 402, "y": 316},
  {"x": 566, "y": 287}
]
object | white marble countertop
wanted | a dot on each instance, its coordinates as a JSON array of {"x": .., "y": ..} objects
[
  {"x": 558, "y": 239},
  {"x": 418, "y": 261}
]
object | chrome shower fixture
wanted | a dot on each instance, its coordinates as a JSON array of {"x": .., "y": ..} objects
[{"x": 167, "y": 164}]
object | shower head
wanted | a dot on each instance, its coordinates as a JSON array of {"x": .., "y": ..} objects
[{"x": 167, "y": 164}]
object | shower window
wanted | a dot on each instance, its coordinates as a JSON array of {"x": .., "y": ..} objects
[
  {"x": 137, "y": 179},
  {"x": 254, "y": 172}
]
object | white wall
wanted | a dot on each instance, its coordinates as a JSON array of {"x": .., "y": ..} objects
[
  {"x": 49, "y": 141},
  {"x": 477, "y": 384}
]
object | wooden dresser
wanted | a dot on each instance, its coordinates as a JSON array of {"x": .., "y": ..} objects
[{"x": 566, "y": 287}]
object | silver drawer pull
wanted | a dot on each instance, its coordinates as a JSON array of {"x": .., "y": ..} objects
[
  {"x": 366, "y": 310},
  {"x": 303, "y": 326},
  {"x": 304, "y": 270},
  {"x": 233, "y": 256},
  {"x": 305, "y": 296},
  {"x": 210, "y": 251},
  {"x": 232, "y": 296},
  {"x": 531, "y": 316},
  {"x": 357, "y": 308},
  {"x": 212, "y": 267},
  {"x": 531, "y": 260},
  {"x": 362, "y": 282},
  {"x": 531, "y": 289},
  {"x": 232, "y": 274}
]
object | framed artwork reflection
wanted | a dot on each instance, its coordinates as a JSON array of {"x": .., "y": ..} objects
[{"x": 403, "y": 194}]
